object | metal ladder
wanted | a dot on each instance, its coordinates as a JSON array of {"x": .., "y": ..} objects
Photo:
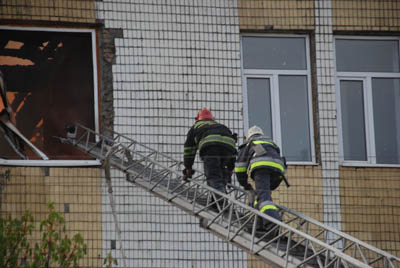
[{"x": 297, "y": 241}]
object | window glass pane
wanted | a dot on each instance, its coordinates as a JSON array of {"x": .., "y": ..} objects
[
  {"x": 274, "y": 53},
  {"x": 367, "y": 55},
  {"x": 353, "y": 126},
  {"x": 259, "y": 104},
  {"x": 295, "y": 125},
  {"x": 386, "y": 106}
]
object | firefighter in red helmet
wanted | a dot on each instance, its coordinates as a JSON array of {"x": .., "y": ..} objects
[
  {"x": 204, "y": 114},
  {"x": 217, "y": 149}
]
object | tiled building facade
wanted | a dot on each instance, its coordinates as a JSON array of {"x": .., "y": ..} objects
[{"x": 157, "y": 63}]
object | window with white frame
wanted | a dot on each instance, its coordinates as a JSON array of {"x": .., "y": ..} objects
[
  {"x": 368, "y": 82},
  {"x": 277, "y": 92}
]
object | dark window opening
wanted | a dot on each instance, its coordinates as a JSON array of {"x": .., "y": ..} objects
[{"x": 50, "y": 83}]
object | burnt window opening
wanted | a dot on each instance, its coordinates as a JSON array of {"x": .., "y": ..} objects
[{"x": 50, "y": 83}]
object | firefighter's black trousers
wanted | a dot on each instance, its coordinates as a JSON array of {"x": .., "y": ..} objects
[
  {"x": 216, "y": 160},
  {"x": 262, "y": 179}
]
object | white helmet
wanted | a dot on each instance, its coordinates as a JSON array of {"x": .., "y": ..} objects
[{"x": 253, "y": 131}]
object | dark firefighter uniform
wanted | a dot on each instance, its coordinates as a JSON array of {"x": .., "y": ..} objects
[
  {"x": 259, "y": 158},
  {"x": 216, "y": 145}
]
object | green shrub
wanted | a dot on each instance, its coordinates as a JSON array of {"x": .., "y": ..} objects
[{"x": 55, "y": 248}]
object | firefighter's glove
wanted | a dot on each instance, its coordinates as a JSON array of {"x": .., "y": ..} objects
[
  {"x": 248, "y": 187},
  {"x": 235, "y": 137},
  {"x": 187, "y": 173},
  {"x": 251, "y": 197},
  {"x": 229, "y": 176}
]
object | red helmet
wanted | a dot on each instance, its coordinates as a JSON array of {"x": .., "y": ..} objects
[{"x": 204, "y": 114}]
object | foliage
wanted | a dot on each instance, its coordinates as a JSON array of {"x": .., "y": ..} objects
[
  {"x": 13, "y": 238},
  {"x": 109, "y": 261},
  {"x": 55, "y": 248}
]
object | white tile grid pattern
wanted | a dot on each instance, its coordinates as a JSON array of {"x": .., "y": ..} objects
[
  {"x": 175, "y": 58},
  {"x": 327, "y": 113}
]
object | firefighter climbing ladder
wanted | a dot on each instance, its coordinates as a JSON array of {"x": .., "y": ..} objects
[{"x": 298, "y": 241}]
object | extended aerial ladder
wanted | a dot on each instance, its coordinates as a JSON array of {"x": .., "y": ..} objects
[{"x": 297, "y": 241}]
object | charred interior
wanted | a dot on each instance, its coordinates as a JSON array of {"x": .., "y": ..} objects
[{"x": 49, "y": 80}]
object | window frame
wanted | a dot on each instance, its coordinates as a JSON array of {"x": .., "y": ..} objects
[
  {"x": 366, "y": 78},
  {"x": 273, "y": 76},
  {"x": 56, "y": 163}
]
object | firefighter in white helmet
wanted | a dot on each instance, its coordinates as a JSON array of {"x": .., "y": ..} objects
[{"x": 259, "y": 158}]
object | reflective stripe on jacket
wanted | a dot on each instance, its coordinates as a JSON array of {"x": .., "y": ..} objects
[
  {"x": 271, "y": 162},
  {"x": 206, "y": 133},
  {"x": 229, "y": 141},
  {"x": 258, "y": 152}
]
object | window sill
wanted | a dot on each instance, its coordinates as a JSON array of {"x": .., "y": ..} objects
[
  {"x": 50, "y": 163},
  {"x": 302, "y": 164},
  {"x": 368, "y": 165}
]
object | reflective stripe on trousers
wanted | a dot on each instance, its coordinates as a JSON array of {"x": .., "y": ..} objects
[{"x": 267, "y": 205}]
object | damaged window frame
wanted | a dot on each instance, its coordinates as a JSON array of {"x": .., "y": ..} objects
[{"x": 60, "y": 162}]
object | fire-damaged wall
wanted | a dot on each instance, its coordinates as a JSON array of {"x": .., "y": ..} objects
[{"x": 107, "y": 59}]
